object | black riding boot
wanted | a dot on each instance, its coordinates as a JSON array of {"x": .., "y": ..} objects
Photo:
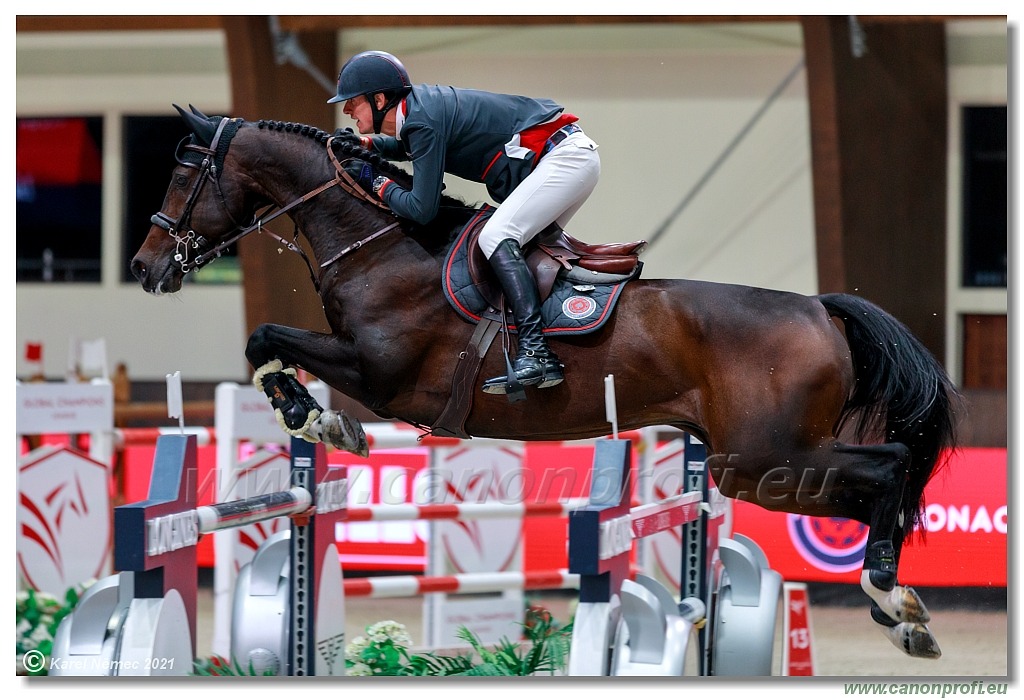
[{"x": 535, "y": 364}]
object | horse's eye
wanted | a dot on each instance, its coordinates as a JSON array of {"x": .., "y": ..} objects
[{"x": 180, "y": 180}]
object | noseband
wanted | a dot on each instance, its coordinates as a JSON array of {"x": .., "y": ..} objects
[{"x": 190, "y": 241}]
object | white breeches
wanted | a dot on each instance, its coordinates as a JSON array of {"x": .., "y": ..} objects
[{"x": 553, "y": 192}]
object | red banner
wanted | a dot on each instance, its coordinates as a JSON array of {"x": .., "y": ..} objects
[
  {"x": 34, "y": 352},
  {"x": 964, "y": 542}
]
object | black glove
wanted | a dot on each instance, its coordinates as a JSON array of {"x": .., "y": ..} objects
[
  {"x": 361, "y": 172},
  {"x": 346, "y": 135}
]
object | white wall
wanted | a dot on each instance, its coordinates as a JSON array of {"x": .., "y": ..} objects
[{"x": 663, "y": 101}]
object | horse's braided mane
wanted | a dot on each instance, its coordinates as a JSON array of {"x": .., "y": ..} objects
[{"x": 436, "y": 235}]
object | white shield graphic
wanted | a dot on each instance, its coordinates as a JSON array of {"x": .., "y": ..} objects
[
  {"x": 481, "y": 475},
  {"x": 64, "y": 519}
]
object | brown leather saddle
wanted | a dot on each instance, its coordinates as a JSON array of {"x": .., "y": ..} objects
[{"x": 552, "y": 251}]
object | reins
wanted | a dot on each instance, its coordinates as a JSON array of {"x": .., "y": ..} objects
[{"x": 206, "y": 169}]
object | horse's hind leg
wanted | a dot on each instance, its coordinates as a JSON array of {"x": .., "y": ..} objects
[
  {"x": 861, "y": 482},
  {"x": 897, "y": 608}
]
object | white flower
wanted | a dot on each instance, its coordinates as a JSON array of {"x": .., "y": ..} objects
[
  {"x": 47, "y": 602},
  {"x": 389, "y": 630},
  {"x": 359, "y": 669},
  {"x": 354, "y": 649},
  {"x": 39, "y": 634}
]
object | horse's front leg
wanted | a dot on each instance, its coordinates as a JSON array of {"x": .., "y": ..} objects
[{"x": 274, "y": 351}]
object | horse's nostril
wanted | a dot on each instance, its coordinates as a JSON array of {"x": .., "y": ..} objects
[{"x": 138, "y": 269}]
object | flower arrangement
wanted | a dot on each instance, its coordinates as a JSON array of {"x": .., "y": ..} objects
[
  {"x": 384, "y": 651},
  {"x": 38, "y": 614},
  {"x": 219, "y": 666}
]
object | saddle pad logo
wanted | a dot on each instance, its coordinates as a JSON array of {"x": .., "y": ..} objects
[
  {"x": 836, "y": 545},
  {"x": 577, "y": 307}
]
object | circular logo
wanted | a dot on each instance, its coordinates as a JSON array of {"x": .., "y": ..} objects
[
  {"x": 836, "y": 545},
  {"x": 33, "y": 661},
  {"x": 579, "y": 307}
]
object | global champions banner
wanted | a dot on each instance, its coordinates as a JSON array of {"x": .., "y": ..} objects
[{"x": 964, "y": 541}]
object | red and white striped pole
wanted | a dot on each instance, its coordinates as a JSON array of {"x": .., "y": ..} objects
[
  {"x": 410, "y": 586},
  {"x": 124, "y": 437},
  {"x": 461, "y": 511}
]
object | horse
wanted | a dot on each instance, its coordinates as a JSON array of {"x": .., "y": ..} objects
[{"x": 825, "y": 405}]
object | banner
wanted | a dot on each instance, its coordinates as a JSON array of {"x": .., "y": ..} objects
[{"x": 964, "y": 538}]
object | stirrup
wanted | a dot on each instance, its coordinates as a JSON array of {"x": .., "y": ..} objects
[
  {"x": 553, "y": 376},
  {"x": 550, "y": 375}
]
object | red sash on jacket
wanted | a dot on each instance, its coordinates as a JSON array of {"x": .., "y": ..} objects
[{"x": 535, "y": 137}]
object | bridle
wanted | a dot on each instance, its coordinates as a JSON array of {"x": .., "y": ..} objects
[{"x": 189, "y": 241}]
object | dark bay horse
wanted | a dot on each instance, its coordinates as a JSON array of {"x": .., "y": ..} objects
[{"x": 801, "y": 413}]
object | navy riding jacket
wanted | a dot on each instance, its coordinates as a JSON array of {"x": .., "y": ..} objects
[{"x": 462, "y": 132}]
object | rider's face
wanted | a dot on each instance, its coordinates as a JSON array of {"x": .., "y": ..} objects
[{"x": 359, "y": 109}]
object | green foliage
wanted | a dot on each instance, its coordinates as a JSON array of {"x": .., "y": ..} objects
[
  {"x": 38, "y": 614},
  {"x": 384, "y": 651},
  {"x": 219, "y": 666},
  {"x": 546, "y": 649}
]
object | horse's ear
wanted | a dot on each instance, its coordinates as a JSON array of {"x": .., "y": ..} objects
[
  {"x": 197, "y": 112},
  {"x": 203, "y": 129}
]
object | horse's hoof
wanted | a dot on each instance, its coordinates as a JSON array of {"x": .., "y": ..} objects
[
  {"x": 902, "y": 603},
  {"x": 341, "y": 432},
  {"x": 914, "y": 639},
  {"x": 910, "y": 607}
]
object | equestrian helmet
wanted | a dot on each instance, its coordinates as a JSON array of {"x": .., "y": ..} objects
[{"x": 370, "y": 72}]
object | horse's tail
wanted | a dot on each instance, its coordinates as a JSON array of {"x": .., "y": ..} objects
[{"x": 898, "y": 381}]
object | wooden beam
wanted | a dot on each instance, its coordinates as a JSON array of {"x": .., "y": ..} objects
[
  {"x": 277, "y": 285},
  {"x": 823, "y": 97},
  {"x": 111, "y": 23},
  {"x": 307, "y": 22},
  {"x": 303, "y": 23},
  {"x": 878, "y": 150}
]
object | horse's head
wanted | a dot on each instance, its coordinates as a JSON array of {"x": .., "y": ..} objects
[{"x": 201, "y": 209}]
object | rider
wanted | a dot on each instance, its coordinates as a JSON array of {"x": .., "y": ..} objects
[{"x": 532, "y": 156}]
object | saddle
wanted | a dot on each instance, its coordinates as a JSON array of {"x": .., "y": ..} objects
[
  {"x": 579, "y": 285},
  {"x": 554, "y": 251}
]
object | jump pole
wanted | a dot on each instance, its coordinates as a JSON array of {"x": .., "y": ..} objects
[
  {"x": 156, "y": 540},
  {"x": 611, "y": 606},
  {"x": 241, "y": 414}
]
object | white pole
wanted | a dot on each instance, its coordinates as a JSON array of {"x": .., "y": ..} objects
[
  {"x": 174, "y": 402},
  {"x": 609, "y": 405}
]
